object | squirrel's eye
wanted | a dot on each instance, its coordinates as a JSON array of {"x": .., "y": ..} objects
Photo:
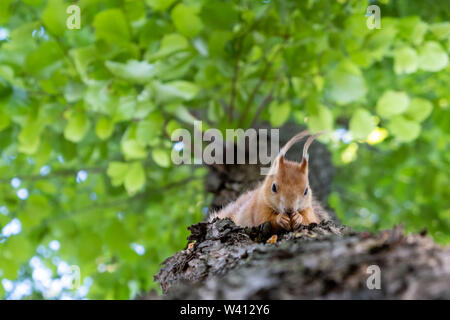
[
  {"x": 274, "y": 187},
  {"x": 306, "y": 191}
]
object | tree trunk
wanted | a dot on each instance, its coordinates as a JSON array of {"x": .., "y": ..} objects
[{"x": 325, "y": 261}]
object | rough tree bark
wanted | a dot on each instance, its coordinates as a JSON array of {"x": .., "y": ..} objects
[{"x": 325, "y": 261}]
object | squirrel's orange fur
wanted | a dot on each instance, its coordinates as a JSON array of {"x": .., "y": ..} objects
[{"x": 285, "y": 206}]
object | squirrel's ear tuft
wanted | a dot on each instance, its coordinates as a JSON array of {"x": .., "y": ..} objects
[
  {"x": 279, "y": 161},
  {"x": 305, "y": 157},
  {"x": 304, "y": 165},
  {"x": 293, "y": 140}
]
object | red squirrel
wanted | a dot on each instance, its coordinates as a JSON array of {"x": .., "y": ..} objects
[{"x": 284, "y": 198}]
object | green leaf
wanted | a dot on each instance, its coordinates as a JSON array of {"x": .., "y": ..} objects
[
  {"x": 5, "y": 121},
  {"x": 445, "y": 214},
  {"x": 5, "y": 87},
  {"x": 36, "y": 210},
  {"x": 170, "y": 43},
  {"x": 83, "y": 57},
  {"x": 112, "y": 26},
  {"x": 54, "y": 17},
  {"x": 392, "y": 103},
  {"x": 77, "y": 127},
  {"x": 5, "y": 10},
  {"x": 89, "y": 246},
  {"x": 9, "y": 267},
  {"x": 104, "y": 128},
  {"x": 19, "y": 248},
  {"x": 135, "y": 71},
  {"x": 353, "y": 25},
  {"x": 215, "y": 111},
  {"x": 145, "y": 105},
  {"x": 346, "y": 83},
  {"x": 159, "y": 5},
  {"x": 73, "y": 91},
  {"x": 99, "y": 99},
  {"x": 29, "y": 137},
  {"x": 176, "y": 66},
  {"x": 150, "y": 128},
  {"x": 135, "y": 10},
  {"x": 176, "y": 90},
  {"x": 116, "y": 236},
  {"x": 418, "y": 32},
  {"x": 171, "y": 126},
  {"x": 379, "y": 41},
  {"x": 321, "y": 120},
  {"x": 362, "y": 123},
  {"x": 45, "y": 56},
  {"x": 117, "y": 172},
  {"x": 432, "y": 57},
  {"x": 219, "y": 15},
  {"x": 405, "y": 60},
  {"x": 133, "y": 149},
  {"x": 218, "y": 41},
  {"x": 161, "y": 157},
  {"x": 126, "y": 108},
  {"x": 413, "y": 29},
  {"x": 279, "y": 113},
  {"x": 182, "y": 113},
  {"x": 186, "y": 20},
  {"x": 419, "y": 109},
  {"x": 404, "y": 130},
  {"x": 135, "y": 179},
  {"x": 441, "y": 30}
]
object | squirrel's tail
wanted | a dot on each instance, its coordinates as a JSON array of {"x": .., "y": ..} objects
[
  {"x": 226, "y": 212},
  {"x": 213, "y": 216}
]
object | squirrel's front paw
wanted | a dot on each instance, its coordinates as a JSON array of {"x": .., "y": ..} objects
[
  {"x": 296, "y": 220},
  {"x": 284, "y": 221}
]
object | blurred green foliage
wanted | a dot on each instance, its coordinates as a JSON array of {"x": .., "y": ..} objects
[{"x": 86, "y": 116}]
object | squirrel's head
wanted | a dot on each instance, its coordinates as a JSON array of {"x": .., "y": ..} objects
[{"x": 286, "y": 187}]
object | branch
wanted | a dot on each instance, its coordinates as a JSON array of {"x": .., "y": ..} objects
[
  {"x": 123, "y": 201},
  {"x": 234, "y": 80},
  {"x": 260, "y": 82},
  {"x": 236, "y": 66},
  {"x": 265, "y": 102},
  {"x": 60, "y": 173}
]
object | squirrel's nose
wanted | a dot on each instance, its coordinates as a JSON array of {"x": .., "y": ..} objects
[{"x": 288, "y": 211}]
